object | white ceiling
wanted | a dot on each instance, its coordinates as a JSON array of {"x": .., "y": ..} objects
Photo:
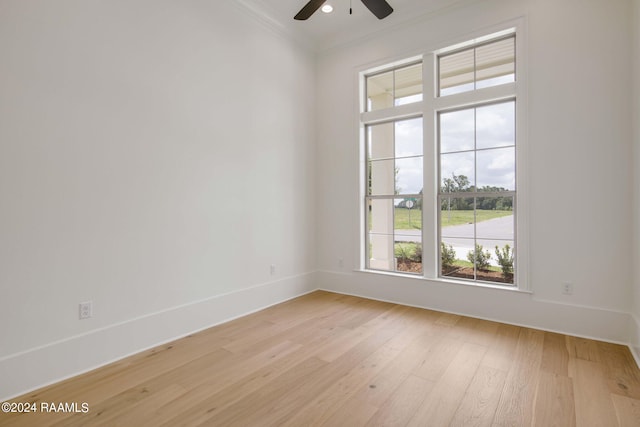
[{"x": 328, "y": 30}]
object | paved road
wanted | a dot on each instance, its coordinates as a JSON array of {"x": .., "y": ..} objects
[{"x": 490, "y": 233}]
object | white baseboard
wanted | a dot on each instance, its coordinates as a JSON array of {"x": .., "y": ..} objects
[
  {"x": 506, "y": 306},
  {"x": 634, "y": 338},
  {"x": 26, "y": 371}
]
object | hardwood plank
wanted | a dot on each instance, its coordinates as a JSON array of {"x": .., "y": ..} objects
[
  {"x": 516, "y": 402},
  {"x": 627, "y": 410},
  {"x": 583, "y": 348},
  {"x": 555, "y": 355},
  {"x": 337, "y": 347},
  {"x": 448, "y": 319},
  {"x": 554, "y": 405},
  {"x": 478, "y": 406},
  {"x": 485, "y": 331},
  {"x": 354, "y": 416},
  {"x": 501, "y": 348},
  {"x": 594, "y": 406},
  {"x": 438, "y": 358},
  {"x": 439, "y": 408},
  {"x": 465, "y": 329},
  {"x": 621, "y": 372},
  {"x": 403, "y": 403}
]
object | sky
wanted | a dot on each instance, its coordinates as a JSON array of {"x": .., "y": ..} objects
[{"x": 493, "y": 136}]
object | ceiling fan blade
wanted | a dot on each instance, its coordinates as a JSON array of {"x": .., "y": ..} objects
[
  {"x": 380, "y": 8},
  {"x": 308, "y": 10}
]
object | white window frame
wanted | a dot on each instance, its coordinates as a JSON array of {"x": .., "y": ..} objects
[{"x": 429, "y": 108}]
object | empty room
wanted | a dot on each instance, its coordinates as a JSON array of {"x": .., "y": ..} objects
[{"x": 328, "y": 213}]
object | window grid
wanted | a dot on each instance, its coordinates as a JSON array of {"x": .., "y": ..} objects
[
  {"x": 487, "y": 91},
  {"x": 477, "y": 253}
]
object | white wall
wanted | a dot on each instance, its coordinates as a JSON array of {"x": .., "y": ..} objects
[
  {"x": 635, "y": 336},
  {"x": 579, "y": 134},
  {"x": 155, "y": 157}
]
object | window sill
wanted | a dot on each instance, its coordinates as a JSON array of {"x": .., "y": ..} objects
[{"x": 446, "y": 281}]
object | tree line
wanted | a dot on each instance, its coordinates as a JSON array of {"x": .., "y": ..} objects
[{"x": 455, "y": 201}]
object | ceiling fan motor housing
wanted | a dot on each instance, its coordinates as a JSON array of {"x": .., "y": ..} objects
[{"x": 380, "y": 8}]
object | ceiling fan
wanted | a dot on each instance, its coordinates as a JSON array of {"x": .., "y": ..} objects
[{"x": 380, "y": 8}]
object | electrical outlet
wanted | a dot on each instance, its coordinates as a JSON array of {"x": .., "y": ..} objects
[
  {"x": 273, "y": 269},
  {"x": 567, "y": 288},
  {"x": 340, "y": 262},
  {"x": 85, "y": 310}
]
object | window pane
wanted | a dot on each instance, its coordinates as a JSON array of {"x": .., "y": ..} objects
[
  {"x": 380, "y": 91},
  {"x": 505, "y": 261},
  {"x": 495, "y": 63},
  {"x": 493, "y": 223},
  {"x": 408, "y": 216},
  {"x": 487, "y": 65},
  {"x": 408, "y": 176},
  {"x": 457, "y": 172},
  {"x": 380, "y": 141},
  {"x": 408, "y": 84},
  {"x": 381, "y": 177},
  {"x": 457, "y": 217},
  {"x": 481, "y": 259},
  {"x": 408, "y": 234},
  {"x": 453, "y": 255},
  {"x": 408, "y": 254},
  {"x": 380, "y": 235},
  {"x": 380, "y": 216},
  {"x": 457, "y": 131},
  {"x": 496, "y": 125},
  {"x": 381, "y": 255},
  {"x": 408, "y": 138},
  {"x": 496, "y": 169},
  {"x": 456, "y": 72}
]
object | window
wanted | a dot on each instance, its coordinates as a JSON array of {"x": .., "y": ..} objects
[
  {"x": 477, "y": 191},
  {"x": 394, "y": 195},
  {"x": 394, "y": 87},
  {"x": 483, "y": 65},
  {"x": 394, "y": 173},
  {"x": 459, "y": 179}
]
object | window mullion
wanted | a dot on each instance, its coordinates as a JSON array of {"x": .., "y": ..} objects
[
  {"x": 484, "y": 95},
  {"x": 390, "y": 114},
  {"x": 430, "y": 172}
]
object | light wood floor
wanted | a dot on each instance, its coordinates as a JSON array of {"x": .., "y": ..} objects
[{"x": 335, "y": 360}]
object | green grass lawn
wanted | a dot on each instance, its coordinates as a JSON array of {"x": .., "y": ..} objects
[
  {"x": 408, "y": 219},
  {"x": 411, "y": 219}
]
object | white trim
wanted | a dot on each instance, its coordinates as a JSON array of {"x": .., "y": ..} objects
[
  {"x": 634, "y": 337},
  {"x": 385, "y": 115},
  {"x": 32, "y": 369},
  {"x": 478, "y": 96}
]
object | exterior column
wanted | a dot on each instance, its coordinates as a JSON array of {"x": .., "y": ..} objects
[{"x": 381, "y": 235}]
